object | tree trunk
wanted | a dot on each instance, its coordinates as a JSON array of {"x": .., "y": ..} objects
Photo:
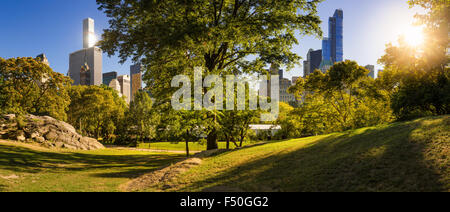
[
  {"x": 212, "y": 140},
  {"x": 228, "y": 141},
  {"x": 187, "y": 148}
]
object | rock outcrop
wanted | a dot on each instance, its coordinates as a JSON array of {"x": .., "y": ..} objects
[{"x": 46, "y": 131}]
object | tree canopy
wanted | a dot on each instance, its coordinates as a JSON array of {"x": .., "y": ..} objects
[
  {"x": 221, "y": 36},
  {"x": 96, "y": 111},
  {"x": 30, "y": 86}
]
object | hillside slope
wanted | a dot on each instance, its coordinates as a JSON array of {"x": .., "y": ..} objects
[{"x": 409, "y": 156}]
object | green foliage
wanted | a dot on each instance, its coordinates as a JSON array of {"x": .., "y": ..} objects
[
  {"x": 341, "y": 99},
  {"x": 96, "y": 111},
  {"x": 235, "y": 125},
  {"x": 30, "y": 86},
  {"x": 172, "y": 37},
  {"x": 140, "y": 121},
  {"x": 417, "y": 79}
]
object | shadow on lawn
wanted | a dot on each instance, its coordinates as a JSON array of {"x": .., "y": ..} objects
[
  {"x": 373, "y": 160},
  {"x": 24, "y": 160}
]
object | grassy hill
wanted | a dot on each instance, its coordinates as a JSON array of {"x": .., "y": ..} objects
[{"x": 410, "y": 156}]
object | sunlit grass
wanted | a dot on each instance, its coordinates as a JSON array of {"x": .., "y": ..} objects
[
  {"x": 411, "y": 156},
  {"x": 27, "y": 168}
]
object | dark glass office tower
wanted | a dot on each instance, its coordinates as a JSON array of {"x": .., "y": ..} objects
[
  {"x": 336, "y": 36},
  {"x": 108, "y": 77}
]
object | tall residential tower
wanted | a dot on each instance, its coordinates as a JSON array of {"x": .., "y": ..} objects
[
  {"x": 333, "y": 45},
  {"x": 85, "y": 65},
  {"x": 136, "y": 79}
]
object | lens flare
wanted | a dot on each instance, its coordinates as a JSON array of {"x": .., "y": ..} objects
[
  {"x": 92, "y": 40},
  {"x": 414, "y": 36}
]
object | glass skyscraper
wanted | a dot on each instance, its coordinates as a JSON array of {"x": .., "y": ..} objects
[
  {"x": 336, "y": 33},
  {"x": 333, "y": 45}
]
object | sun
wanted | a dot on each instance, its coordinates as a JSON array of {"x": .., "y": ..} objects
[
  {"x": 92, "y": 40},
  {"x": 414, "y": 36}
]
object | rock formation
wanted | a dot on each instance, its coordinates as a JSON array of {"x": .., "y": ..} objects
[{"x": 46, "y": 131}]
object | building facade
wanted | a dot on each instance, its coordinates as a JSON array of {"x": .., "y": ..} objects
[
  {"x": 371, "y": 68},
  {"x": 314, "y": 59},
  {"x": 42, "y": 58},
  {"x": 333, "y": 45},
  {"x": 284, "y": 85},
  {"x": 85, "y": 65},
  {"x": 136, "y": 79},
  {"x": 108, "y": 77},
  {"x": 114, "y": 84},
  {"x": 336, "y": 33},
  {"x": 90, "y": 59},
  {"x": 88, "y": 33},
  {"x": 125, "y": 87}
]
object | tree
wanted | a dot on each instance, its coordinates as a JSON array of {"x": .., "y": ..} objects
[
  {"x": 343, "y": 98},
  {"x": 141, "y": 120},
  {"x": 235, "y": 125},
  {"x": 96, "y": 111},
  {"x": 185, "y": 125},
  {"x": 30, "y": 86},
  {"x": 419, "y": 77},
  {"x": 172, "y": 37}
]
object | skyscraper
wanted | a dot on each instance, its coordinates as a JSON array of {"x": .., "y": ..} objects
[
  {"x": 314, "y": 59},
  {"x": 371, "y": 68},
  {"x": 125, "y": 85},
  {"x": 108, "y": 77},
  {"x": 114, "y": 84},
  {"x": 336, "y": 33},
  {"x": 88, "y": 33},
  {"x": 85, "y": 65},
  {"x": 284, "y": 85},
  {"x": 136, "y": 79},
  {"x": 333, "y": 45}
]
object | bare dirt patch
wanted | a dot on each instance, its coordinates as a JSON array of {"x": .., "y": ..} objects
[
  {"x": 10, "y": 177},
  {"x": 160, "y": 177}
]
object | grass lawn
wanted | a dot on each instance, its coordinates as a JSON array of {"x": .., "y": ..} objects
[
  {"x": 28, "y": 168},
  {"x": 409, "y": 156}
]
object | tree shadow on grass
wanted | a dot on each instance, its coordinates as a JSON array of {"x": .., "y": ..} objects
[
  {"x": 24, "y": 160},
  {"x": 389, "y": 159}
]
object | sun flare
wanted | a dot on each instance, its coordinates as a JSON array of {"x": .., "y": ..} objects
[
  {"x": 92, "y": 40},
  {"x": 414, "y": 36}
]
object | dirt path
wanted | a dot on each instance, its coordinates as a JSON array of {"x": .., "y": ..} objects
[{"x": 160, "y": 177}]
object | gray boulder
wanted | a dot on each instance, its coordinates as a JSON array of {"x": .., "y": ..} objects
[{"x": 47, "y": 132}]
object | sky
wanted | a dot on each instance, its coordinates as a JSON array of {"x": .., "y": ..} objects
[{"x": 54, "y": 27}]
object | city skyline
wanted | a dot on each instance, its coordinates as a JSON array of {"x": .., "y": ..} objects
[{"x": 57, "y": 37}]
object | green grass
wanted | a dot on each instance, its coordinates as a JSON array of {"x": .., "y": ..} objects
[
  {"x": 181, "y": 146},
  {"x": 28, "y": 168},
  {"x": 409, "y": 156}
]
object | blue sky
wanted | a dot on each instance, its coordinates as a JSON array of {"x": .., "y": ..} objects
[{"x": 54, "y": 27}]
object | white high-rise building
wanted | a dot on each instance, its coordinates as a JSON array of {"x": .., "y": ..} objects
[
  {"x": 85, "y": 65},
  {"x": 125, "y": 85},
  {"x": 114, "y": 84}
]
